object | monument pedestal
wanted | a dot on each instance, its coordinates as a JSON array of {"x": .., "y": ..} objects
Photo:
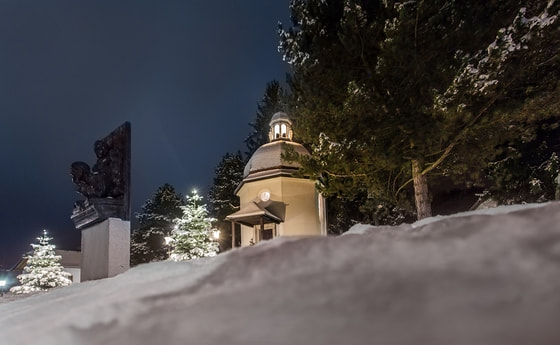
[
  {"x": 104, "y": 215},
  {"x": 105, "y": 249}
]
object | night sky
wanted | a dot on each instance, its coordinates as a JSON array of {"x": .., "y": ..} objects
[{"x": 187, "y": 75}]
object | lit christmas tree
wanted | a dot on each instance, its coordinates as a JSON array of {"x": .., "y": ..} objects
[
  {"x": 43, "y": 270},
  {"x": 191, "y": 237}
]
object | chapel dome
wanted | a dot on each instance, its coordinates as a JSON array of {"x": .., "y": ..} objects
[
  {"x": 280, "y": 117},
  {"x": 267, "y": 160}
]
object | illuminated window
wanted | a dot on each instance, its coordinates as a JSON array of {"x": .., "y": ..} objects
[
  {"x": 284, "y": 130},
  {"x": 276, "y": 131}
]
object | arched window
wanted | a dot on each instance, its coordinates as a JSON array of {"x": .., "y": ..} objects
[
  {"x": 276, "y": 131},
  {"x": 284, "y": 130}
]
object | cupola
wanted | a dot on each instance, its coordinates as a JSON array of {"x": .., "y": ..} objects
[
  {"x": 280, "y": 127},
  {"x": 267, "y": 159}
]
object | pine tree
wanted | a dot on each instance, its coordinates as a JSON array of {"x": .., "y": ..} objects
[
  {"x": 155, "y": 223},
  {"x": 389, "y": 94},
  {"x": 222, "y": 198},
  {"x": 274, "y": 100},
  {"x": 43, "y": 270},
  {"x": 229, "y": 173},
  {"x": 192, "y": 234},
  {"x": 526, "y": 168}
]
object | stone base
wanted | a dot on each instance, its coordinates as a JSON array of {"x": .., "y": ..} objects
[{"x": 105, "y": 249}]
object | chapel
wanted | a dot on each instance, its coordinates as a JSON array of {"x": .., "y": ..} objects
[{"x": 273, "y": 201}]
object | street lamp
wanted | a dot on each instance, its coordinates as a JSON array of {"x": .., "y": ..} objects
[
  {"x": 216, "y": 234},
  {"x": 168, "y": 241},
  {"x": 2, "y": 286}
]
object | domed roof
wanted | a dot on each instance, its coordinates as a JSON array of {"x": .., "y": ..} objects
[
  {"x": 267, "y": 160},
  {"x": 280, "y": 116}
]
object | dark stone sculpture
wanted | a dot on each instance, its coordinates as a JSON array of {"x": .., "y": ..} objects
[{"x": 106, "y": 185}]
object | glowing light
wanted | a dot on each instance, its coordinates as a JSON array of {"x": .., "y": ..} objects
[
  {"x": 2, "y": 286},
  {"x": 265, "y": 196},
  {"x": 216, "y": 234}
]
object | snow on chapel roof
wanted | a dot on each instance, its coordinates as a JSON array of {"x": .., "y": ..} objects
[
  {"x": 267, "y": 160},
  {"x": 280, "y": 116},
  {"x": 268, "y": 157}
]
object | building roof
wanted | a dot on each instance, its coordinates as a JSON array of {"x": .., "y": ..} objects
[
  {"x": 268, "y": 157},
  {"x": 280, "y": 116},
  {"x": 254, "y": 212},
  {"x": 69, "y": 259}
]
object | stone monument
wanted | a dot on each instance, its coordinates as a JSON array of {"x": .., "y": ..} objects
[{"x": 104, "y": 215}]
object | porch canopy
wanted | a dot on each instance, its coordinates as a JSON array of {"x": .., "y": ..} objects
[
  {"x": 254, "y": 213},
  {"x": 258, "y": 213}
]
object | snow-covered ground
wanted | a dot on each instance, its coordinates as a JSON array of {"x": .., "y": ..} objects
[{"x": 475, "y": 278}]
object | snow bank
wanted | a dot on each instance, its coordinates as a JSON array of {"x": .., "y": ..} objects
[{"x": 473, "y": 279}]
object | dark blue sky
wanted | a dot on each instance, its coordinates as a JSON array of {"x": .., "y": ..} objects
[{"x": 186, "y": 74}]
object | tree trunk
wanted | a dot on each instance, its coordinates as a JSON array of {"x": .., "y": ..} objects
[{"x": 423, "y": 205}]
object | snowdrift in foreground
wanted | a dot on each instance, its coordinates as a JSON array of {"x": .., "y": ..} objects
[{"x": 470, "y": 279}]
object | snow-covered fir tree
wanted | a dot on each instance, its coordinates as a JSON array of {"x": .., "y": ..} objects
[
  {"x": 155, "y": 222},
  {"x": 192, "y": 236},
  {"x": 222, "y": 200},
  {"x": 43, "y": 270}
]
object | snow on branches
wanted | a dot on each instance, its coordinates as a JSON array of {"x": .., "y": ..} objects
[
  {"x": 192, "y": 236},
  {"x": 43, "y": 270},
  {"x": 483, "y": 72}
]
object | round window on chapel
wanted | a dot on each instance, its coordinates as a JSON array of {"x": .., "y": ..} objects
[{"x": 265, "y": 196}]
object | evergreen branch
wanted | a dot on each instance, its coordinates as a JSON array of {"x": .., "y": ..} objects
[
  {"x": 434, "y": 153},
  {"x": 554, "y": 56},
  {"x": 416, "y": 25},
  {"x": 455, "y": 141},
  {"x": 395, "y": 182},
  {"x": 344, "y": 175}
]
